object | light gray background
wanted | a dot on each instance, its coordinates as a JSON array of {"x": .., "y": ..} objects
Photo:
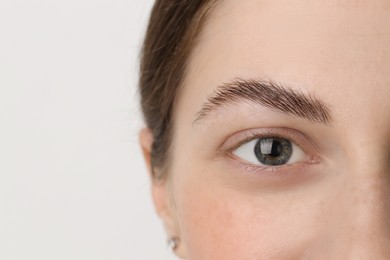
[{"x": 72, "y": 181}]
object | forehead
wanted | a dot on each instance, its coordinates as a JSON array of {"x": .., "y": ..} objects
[{"x": 328, "y": 47}]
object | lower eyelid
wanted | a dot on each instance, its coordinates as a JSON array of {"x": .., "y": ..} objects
[
  {"x": 267, "y": 173},
  {"x": 277, "y": 175}
]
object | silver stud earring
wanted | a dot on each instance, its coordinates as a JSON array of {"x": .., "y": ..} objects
[{"x": 173, "y": 243}]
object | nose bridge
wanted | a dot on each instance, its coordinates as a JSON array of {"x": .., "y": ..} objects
[{"x": 362, "y": 227}]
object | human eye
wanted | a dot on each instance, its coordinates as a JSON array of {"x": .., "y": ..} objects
[{"x": 270, "y": 151}]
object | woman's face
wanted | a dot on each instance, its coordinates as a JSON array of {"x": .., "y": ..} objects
[{"x": 281, "y": 146}]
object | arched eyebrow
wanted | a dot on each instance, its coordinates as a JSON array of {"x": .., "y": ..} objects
[{"x": 269, "y": 94}]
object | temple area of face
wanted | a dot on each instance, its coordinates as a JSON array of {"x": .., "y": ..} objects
[{"x": 268, "y": 94}]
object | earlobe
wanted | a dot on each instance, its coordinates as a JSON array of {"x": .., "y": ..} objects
[{"x": 161, "y": 193}]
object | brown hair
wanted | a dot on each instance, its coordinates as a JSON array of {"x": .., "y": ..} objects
[{"x": 173, "y": 28}]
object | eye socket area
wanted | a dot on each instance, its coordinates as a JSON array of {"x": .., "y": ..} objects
[{"x": 270, "y": 151}]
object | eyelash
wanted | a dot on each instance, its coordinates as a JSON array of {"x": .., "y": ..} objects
[{"x": 292, "y": 135}]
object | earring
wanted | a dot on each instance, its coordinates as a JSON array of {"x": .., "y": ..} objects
[{"x": 173, "y": 243}]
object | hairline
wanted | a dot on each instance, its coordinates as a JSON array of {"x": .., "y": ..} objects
[{"x": 189, "y": 44}]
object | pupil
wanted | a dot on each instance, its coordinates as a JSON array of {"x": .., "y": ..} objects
[
  {"x": 273, "y": 151},
  {"x": 276, "y": 149}
]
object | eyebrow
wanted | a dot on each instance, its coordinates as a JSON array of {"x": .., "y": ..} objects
[{"x": 269, "y": 94}]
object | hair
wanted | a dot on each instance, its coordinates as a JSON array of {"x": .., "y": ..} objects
[{"x": 173, "y": 28}]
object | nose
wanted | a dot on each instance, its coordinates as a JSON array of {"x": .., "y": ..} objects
[{"x": 359, "y": 220}]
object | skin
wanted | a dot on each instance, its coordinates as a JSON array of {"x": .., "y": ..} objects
[{"x": 337, "y": 207}]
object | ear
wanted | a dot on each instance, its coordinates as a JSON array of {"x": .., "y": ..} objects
[
  {"x": 146, "y": 142},
  {"x": 161, "y": 192}
]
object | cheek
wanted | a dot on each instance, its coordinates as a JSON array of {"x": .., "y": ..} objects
[
  {"x": 212, "y": 228},
  {"x": 220, "y": 222}
]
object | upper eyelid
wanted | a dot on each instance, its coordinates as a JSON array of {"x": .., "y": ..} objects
[{"x": 248, "y": 135}]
